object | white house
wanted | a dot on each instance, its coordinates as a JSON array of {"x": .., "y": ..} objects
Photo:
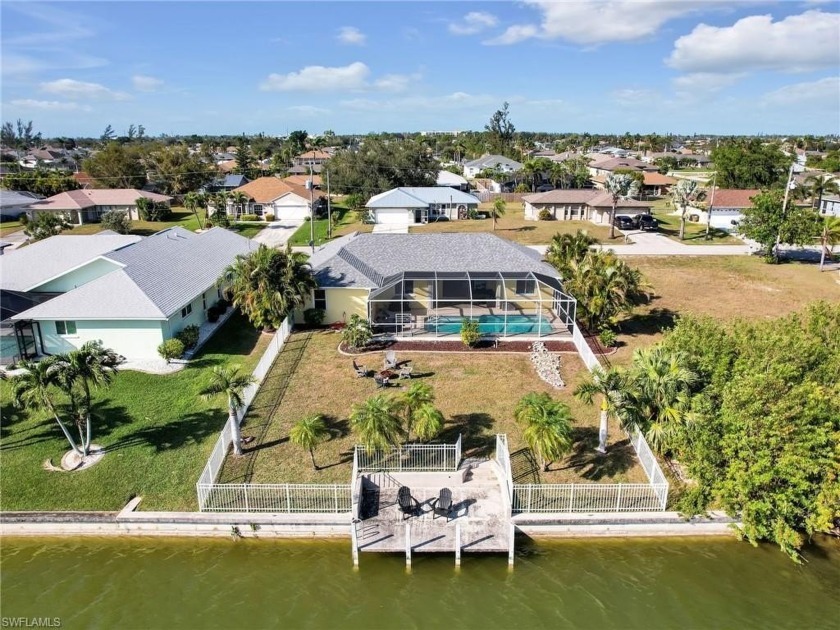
[
  {"x": 580, "y": 204},
  {"x": 131, "y": 293},
  {"x": 407, "y": 206},
  {"x": 492, "y": 162},
  {"x": 452, "y": 180},
  {"x": 830, "y": 206},
  {"x": 727, "y": 208},
  {"x": 86, "y": 206},
  {"x": 271, "y": 195}
]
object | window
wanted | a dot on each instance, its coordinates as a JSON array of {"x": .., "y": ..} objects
[
  {"x": 321, "y": 299},
  {"x": 408, "y": 287},
  {"x": 186, "y": 310},
  {"x": 526, "y": 287},
  {"x": 65, "y": 328},
  {"x": 203, "y": 302},
  {"x": 258, "y": 209}
]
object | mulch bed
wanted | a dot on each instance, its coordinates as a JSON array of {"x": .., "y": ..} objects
[{"x": 456, "y": 346}]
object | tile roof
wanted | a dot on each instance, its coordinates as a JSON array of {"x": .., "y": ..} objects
[
  {"x": 300, "y": 180},
  {"x": 419, "y": 197},
  {"x": 28, "y": 267},
  {"x": 313, "y": 155},
  {"x": 267, "y": 189},
  {"x": 365, "y": 260},
  {"x": 589, "y": 196},
  {"x": 625, "y": 162},
  {"x": 658, "y": 179},
  {"x": 88, "y": 198},
  {"x": 732, "y": 198}
]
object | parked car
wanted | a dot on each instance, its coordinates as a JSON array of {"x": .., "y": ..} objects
[
  {"x": 623, "y": 222},
  {"x": 648, "y": 223}
]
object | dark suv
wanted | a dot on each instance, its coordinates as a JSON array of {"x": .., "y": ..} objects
[
  {"x": 648, "y": 223},
  {"x": 623, "y": 222}
]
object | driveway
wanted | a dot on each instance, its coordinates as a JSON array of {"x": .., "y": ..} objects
[
  {"x": 657, "y": 244},
  {"x": 385, "y": 228},
  {"x": 15, "y": 238},
  {"x": 276, "y": 234}
]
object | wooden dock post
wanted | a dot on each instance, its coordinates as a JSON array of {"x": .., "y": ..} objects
[
  {"x": 408, "y": 546},
  {"x": 510, "y": 546},
  {"x": 354, "y": 538},
  {"x": 457, "y": 544}
]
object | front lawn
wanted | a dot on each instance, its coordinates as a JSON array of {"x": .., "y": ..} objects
[
  {"x": 695, "y": 233},
  {"x": 179, "y": 217},
  {"x": 8, "y": 226},
  {"x": 345, "y": 223},
  {"x": 157, "y": 430},
  {"x": 476, "y": 393}
]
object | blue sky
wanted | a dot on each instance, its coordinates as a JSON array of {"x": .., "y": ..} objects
[{"x": 642, "y": 66}]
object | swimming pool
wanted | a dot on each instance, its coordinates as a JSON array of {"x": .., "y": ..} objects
[{"x": 491, "y": 325}]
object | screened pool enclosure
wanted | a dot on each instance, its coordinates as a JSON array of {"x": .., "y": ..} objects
[{"x": 505, "y": 304}]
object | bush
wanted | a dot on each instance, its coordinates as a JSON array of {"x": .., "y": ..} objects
[
  {"x": 357, "y": 333},
  {"x": 545, "y": 215},
  {"x": 188, "y": 336},
  {"x": 151, "y": 211},
  {"x": 470, "y": 334},
  {"x": 269, "y": 217},
  {"x": 248, "y": 217},
  {"x": 607, "y": 337},
  {"x": 222, "y": 305},
  {"x": 117, "y": 221},
  {"x": 213, "y": 314},
  {"x": 171, "y": 349},
  {"x": 314, "y": 316},
  {"x": 46, "y": 224}
]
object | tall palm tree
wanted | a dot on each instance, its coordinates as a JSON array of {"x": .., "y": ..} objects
[
  {"x": 308, "y": 433},
  {"x": 548, "y": 426},
  {"x": 377, "y": 422},
  {"x": 619, "y": 185},
  {"x": 412, "y": 399},
  {"x": 193, "y": 201},
  {"x": 829, "y": 238},
  {"x": 428, "y": 422},
  {"x": 685, "y": 192},
  {"x": 499, "y": 209},
  {"x": 611, "y": 386},
  {"x": 818, "y": 186},
  {"x": 565, "y": 248},
  {"x": 228, "y": 382},
  {"x": 34, "y": 389},
  {"x": 239, "y": 199}
]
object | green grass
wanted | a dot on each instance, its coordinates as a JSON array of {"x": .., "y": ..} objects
[
  {"x": 344, "y": 224},
  {"x": 157, "y": 430},
  {"x": 180, "y": 217},
  {"x": 248, "y": 230},
  {"x": 695, "y": 233},
  {"x": 9, "y": 226}
]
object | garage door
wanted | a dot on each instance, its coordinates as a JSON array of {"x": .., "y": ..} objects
[
  {"x": 298, "y": 213},
  {"x": 393, "y": 216}
]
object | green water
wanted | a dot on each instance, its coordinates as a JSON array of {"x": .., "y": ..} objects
[{"x": 650, "y": 584}]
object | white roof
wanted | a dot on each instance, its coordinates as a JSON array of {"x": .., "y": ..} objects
[
  {"x": 27, "y": 267},
  {"x": 447, "y": 178},
  {"x": 419, "y": 197}
]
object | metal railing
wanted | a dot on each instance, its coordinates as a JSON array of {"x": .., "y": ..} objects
[
  {"x": 277, "y": 498},
  {"x": 651, "y": 467},
  {"x": 586, "y": 354},
  {"x": 410, "y": 457},
  {"x": 592, "y": 497},
  {"x": 503, "y": 462}
]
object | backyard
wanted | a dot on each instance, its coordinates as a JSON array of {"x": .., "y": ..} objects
[
  {"x": 477, "y": 394},
  {"x": 157, "y": 431}
]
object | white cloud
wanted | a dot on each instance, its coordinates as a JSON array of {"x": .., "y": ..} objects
[
  {"x": 396, "y": 82},
  {"x": 591, "y": 22},
  {"x": 71, "y": 88},
  {"x": 634, "y": 96},
  {"x": 796, "y": 43},
  {"x": 825, "y": 91},
  {"x": 319, "y": 78},
  {"x": 30, "y": 103},
  {"x": 473, "y": 22},
  {"x": 705, "y": 82},
  {"x": 308, "y": 110},
  {"x": 351, "y": 35},
  {"x": 144, "y": 83}
]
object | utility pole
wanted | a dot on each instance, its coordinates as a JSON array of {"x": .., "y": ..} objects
[
  {"x": 711, "y": 205},
  {"x": 329, "y": 208},
  {"x": 784, "y": 211},
  {"x": 310, "y": 185}
]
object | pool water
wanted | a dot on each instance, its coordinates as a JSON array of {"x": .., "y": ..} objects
[{"x": 491, "y": 325}]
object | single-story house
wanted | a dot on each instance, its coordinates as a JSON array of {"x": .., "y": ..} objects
[
  {"x": 830, "y": 206},
  {"x": 272, "y": 195},
  {"x": 581, "y": 204},
  {"x": 88, "y": 206},
  {"x": 727, "y": 208},
  {"x": 410, "y": 205},
  {"x": 452, "y": 180},
  {"x": 655, "y": 184},
  {"x": 605, "y": 167},
  {"x": 417, "y": 286},
  {"x": 14, "y": 203},
  {"x": 229, "y": 182},
  {"x": 129, "y": 292},
  {"x": 491, "y": 162}
]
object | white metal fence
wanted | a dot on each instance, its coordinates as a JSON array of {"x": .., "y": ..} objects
[
  {"x": 587, "y": 356},
  {"x": 503, "y": 462},
  {"x": 590, "y": 497},
  {"x": 650, "y": 466},
  {"x": 409, "y": 457}
]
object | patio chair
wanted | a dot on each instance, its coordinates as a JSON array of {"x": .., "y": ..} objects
[
  {"x": 443, "y": 504},
  {"x": 390, "y": 360},
  {"x": 408, "y": 504},
  {"x": 405, "y": 372},
  {"x": 361, "y": 370},
  {"x": 381, "y": 381}
]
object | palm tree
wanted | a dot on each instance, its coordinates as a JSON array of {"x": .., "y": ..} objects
[
  {"x": 829, "y": 238},
  {"x": 219, "y": 201},
  {"x": 619, "y": 186},
  {"x": 228, "y": 382},
  {"x": 428, "y": 422},
  {"x": 377, "y": 422},
  {"x": 193, "y": 201},
  {"x": 308, "y": 433},
  {"x": 818, "y": 186},
  {"x": 610, "y": 385},
  {"x": 685, "y": 192},
  {"x": 565, "y": 248},
  {"x": 34, "y": 388},
  {"x": 238, "y": 199},
  {"x": 412, "y": 399},
  {"x": 548, "y": 426},
  {"x": 499, "y": 209}
]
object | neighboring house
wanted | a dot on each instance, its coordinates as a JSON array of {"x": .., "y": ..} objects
[
  {"x": 830, "y": 206},
  {"x": 655, "y": 185},
  {"x": 88, "y": 206},
  {"x": 681, "y": 158},
  {"x": 306, "y": 169},
  {"x": 300, "y": 180},
  {"x": 491, "y": 162},
  {"x": 605, "y": 167},
  {"x": 452, "y": 180},
  {"x": 581, "y": 204},
  {"x": 407, "y": 206},
  {"x": 417, "y": 286},
  {"x": 271, "y": 195},
  {"x": 314, "y": 157},
  {"x": 227, "y": 183},
  {"x": 128, "y": 292},
  {"x": 14, "y": 203},
  {"x": 728, "y": 208}
]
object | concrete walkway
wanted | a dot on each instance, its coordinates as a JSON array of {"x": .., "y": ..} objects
[
  {"x": 16, "y": 239},
  {"x": 277, "y": 233}
]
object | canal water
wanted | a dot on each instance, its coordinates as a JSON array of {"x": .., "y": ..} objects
[{"x": 204, "y": 583}]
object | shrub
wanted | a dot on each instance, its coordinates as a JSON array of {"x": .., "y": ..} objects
[
  {"x": 46, "y": 224},
  {"x": 357, "y": 333},
  {"x": 521, "y": 188},
  {"x": 171, "y": 349},
  {"x": 152, "y": 211},
  {"x": 248, "y": 217},
  {"x": 213, "y": 314},
  {"x": 470, "y": 334},
  {"x": 188, "y": 336},
  {"x": 117, "y": 221},
  {"x": 222, "y": 305},
  {"x": 314, "y": 316},
  {"x": 607, "y": 337},
  {"x": 269, "y": 216},
  {"x": 545, "y": 215}
]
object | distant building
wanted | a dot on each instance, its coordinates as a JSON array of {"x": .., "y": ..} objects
[{"x": 491, "y": 162}]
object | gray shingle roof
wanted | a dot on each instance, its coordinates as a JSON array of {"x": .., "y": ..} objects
[
  {"x": 419, "y": 197},
  {"x": 491, "y": 161},
  {"x": 13, "y": 198},
  {"x": 365, "y": 260}
]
